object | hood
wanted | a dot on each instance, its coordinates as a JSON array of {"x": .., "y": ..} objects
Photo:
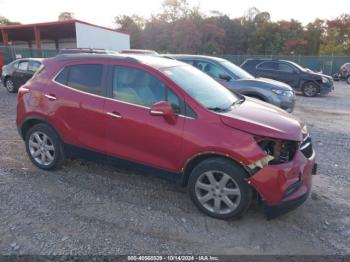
[
  {"x": 319, "y": 75},
  {"x": 259, "y": 118},
  {"x": 272, "y": 83}
]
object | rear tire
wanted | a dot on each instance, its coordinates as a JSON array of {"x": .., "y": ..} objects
[
  {"x": 218, "y": 188},
  {"x": 44, "y": 147},
  {"x": 348, "y": 80},
  {"x": 10, "y": 86},
  {"x": 310, "y": 89}
]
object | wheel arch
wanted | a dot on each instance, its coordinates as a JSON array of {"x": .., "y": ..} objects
[
  {"x": 29, "y": 122},
  {"x": 255, "y": 95},
  {"x": 192, "y": 162}
]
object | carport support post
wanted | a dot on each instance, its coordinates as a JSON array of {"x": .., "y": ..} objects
[
  {"x": 37, "y": 39},
  {"x": 5, "y": 37}
]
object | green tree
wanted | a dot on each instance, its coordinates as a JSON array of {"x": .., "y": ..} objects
[
  {"x": 134, "y": 25},
  {"x": 65, "y": 16},
  {"x": 336, "y": 39},
  {"x": 6, "y": 21}
]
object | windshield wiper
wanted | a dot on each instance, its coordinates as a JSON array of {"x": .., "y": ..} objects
[{"x": 217, "y": 109}]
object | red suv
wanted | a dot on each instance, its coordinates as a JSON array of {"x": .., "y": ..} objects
[{"x": 167, "y": 118}]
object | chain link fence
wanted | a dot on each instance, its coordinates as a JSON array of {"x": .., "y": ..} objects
[
  {"x": 11, "y": 53},
  {"x": 327, "y": 64}
]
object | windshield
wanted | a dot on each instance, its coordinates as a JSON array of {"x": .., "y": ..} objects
[
  {"x": 236, "y": 70},
  {"x": 298, "y": 66},
  {"x": 201, "y": 87}
]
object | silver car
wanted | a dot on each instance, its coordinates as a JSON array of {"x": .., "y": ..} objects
[{"x": 236, "y": 79}]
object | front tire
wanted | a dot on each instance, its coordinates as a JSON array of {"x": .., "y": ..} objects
[
  {"x": 10, "y": 86},
  {"x": 218, "y": 188},
  {"x": 348, "y": 80},
  {"x": 44, "y": 147},
  {"x": 310, "y": 89}
]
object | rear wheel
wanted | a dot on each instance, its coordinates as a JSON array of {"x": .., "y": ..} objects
[
  {"x": 348, "y": 80},
  {"x": 10, "y": 86},
  {"x": 44, "y": 147},
  {"x": 218, "y": 188},
  {"x": 310, "y": 89}
]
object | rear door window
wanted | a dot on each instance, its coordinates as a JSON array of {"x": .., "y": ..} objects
[
  {"x": 83, "y": 77},
  {"x": 269, "y": 65}
]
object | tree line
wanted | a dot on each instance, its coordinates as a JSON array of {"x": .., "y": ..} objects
[{"x": 181, "y": 28}]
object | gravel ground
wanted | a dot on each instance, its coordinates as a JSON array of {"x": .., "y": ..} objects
[{"x": 87, "y": 208}]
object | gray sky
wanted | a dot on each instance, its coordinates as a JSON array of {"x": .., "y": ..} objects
[{"x": 102, "y": 12}]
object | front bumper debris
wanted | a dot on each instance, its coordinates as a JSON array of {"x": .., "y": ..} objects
[{"x": 283, "y": 187}]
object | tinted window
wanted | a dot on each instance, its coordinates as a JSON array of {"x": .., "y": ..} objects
[
  {"x": 209, "y": 68},
  {"x": 136, "y": 86},
  {"x": 238, "y": 72},
  {"x": 15, "y": 65},
  {"x": 268, "y": 66},
  {"x": 23, "y": 65},
  {"x": 86, "y": 78},
  {"x": 285, "y": 68},
  {"x": 62, "y": 76},
  {"x": 33, "y": 66}
]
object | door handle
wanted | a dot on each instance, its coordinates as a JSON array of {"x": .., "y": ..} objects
[
  {"x": 113, "y": 114},
  {"x": 51, "y": 97}
]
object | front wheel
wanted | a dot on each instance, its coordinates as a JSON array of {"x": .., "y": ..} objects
[
  {"x": 10, "y": 86},
  {"x": 310, "y": 89},
  {"x": 44, "y": 147},
  {"x": 348, "y": 80},
  {"x": 218, "y": 188}
]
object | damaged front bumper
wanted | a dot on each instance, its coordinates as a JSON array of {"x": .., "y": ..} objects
[{"x": 283, "y": 187}]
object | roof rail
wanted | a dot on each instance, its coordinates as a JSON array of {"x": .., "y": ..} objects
[{"x": 85, "y": 50}]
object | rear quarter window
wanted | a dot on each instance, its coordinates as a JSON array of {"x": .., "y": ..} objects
[{"x": 83, "y": 77}]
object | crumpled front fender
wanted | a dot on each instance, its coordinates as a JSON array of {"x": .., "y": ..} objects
[{"x": 274, "y": 181}]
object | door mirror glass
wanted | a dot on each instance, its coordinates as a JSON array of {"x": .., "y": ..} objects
[
  {"x": 165, "y": 110},
  {"x": 225, "y": 77}
]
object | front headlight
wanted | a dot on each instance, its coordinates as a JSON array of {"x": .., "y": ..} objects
[
  {"x": 304, "y": 130},
  {"x": 282, "y": 151},
  {"x": 324, "y": 80},
  {"x": 282, "y": 92}
]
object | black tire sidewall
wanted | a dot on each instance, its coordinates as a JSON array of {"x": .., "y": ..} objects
[
  {"x": 235, "y": 172},
  {"x": 59, "y": 152},
  {"x": 348, "y": 80}
]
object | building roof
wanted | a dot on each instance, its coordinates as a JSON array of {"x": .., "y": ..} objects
[{"x": 56, "y": 24}]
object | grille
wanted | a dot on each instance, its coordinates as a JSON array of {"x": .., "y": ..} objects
[{"x": 306, "y": 147}]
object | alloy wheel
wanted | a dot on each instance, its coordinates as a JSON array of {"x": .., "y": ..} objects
[
  {"x": 217, "y": 192},
  {"x": 41, "y": 148},
  {"x": 310, "y": 90},
  {"x": 9, "y": 85}
]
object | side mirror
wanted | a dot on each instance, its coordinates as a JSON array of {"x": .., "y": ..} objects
[
  {"x": 165, "y": 110},
  {"x": 225, "y": 77}
]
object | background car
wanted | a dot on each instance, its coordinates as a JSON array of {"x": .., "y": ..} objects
[
  {"x": 236, "y": 79},
  {"x": 297, "y": 77},
  {"x": 343, "y": 73},
  {"x": 19, "y": 72}
]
